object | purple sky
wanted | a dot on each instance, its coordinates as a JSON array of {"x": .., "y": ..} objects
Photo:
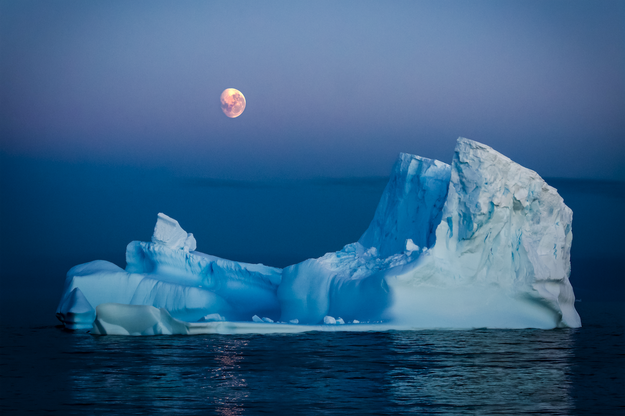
[{"x": 332, "y": 88}]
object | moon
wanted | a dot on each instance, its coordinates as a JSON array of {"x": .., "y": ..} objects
[{"x": 232, "y": 102}]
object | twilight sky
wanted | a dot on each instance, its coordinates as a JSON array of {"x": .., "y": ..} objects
[{"x": 333, "y": 89}]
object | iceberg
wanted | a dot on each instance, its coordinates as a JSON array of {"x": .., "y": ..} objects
[{"x": 480, "y": 243}]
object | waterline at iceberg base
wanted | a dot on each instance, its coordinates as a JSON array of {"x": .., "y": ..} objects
[{"x": 480, "y": 243}]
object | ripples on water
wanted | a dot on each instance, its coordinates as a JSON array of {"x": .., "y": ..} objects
[{"x": 440, "y": 372}]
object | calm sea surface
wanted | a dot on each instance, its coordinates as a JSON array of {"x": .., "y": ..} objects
[{"x": 46, "y": 370}]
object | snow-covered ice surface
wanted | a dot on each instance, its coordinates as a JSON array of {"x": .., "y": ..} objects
[{"x": 483, "y": 242}]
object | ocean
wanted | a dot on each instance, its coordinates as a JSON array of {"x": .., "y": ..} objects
[{"x": 47, "y": 370}]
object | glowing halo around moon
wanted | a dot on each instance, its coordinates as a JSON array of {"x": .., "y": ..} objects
[{"x": 232, "y": 102}]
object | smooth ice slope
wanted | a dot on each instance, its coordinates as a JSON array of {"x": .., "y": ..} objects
[{"x": 483, "y": 242}]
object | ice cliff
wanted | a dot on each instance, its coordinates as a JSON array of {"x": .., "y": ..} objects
[{"x": 483, "y": 242}]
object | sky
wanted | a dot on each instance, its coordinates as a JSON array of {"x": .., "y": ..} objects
[
  {"x": 110, "y": 113},
  {"x": 333, "y": 89}
]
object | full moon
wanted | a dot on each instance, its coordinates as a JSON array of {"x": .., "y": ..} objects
[{"x": 232, "y": 102}]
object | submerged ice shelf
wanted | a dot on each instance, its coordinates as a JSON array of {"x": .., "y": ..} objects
[{"x": 483, "y": 242}]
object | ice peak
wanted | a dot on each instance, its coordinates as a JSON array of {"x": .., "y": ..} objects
[{"x": 168, "y": 232}]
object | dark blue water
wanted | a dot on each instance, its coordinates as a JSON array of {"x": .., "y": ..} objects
[{"x": 46, "y": 370}]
